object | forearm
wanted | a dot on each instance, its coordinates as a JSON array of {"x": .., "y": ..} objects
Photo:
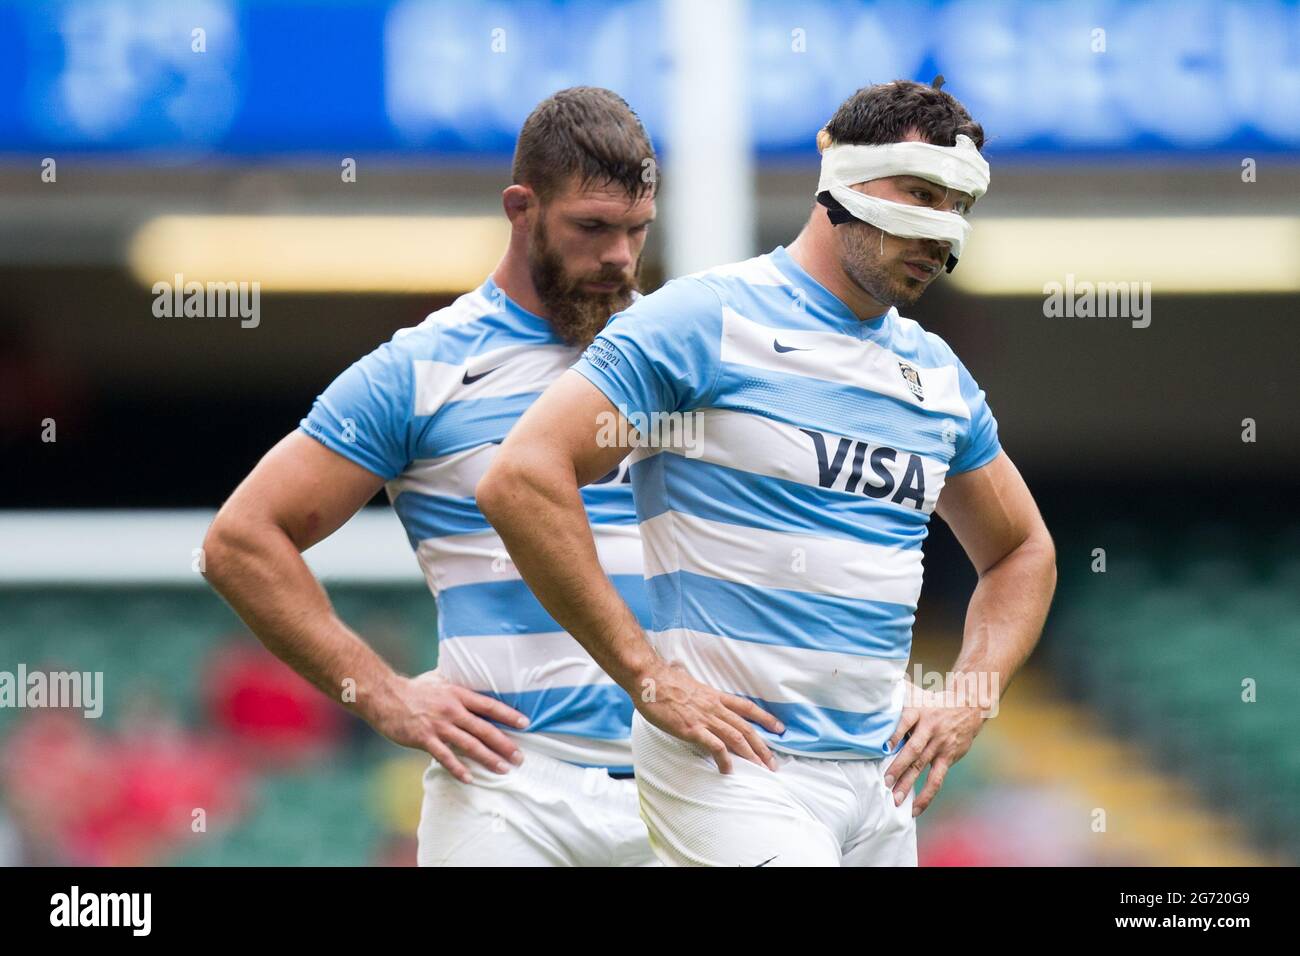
[
  {"x": 258, "y": 570},
  {"x": 539, "y": 513},
  {"x": 1005, "y": 616}
]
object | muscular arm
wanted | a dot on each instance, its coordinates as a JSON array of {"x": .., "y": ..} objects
[
  {"x": 993, "y": 516},
  {"x": 299, "y": 494},
  {"x": 531, "y": 496}
]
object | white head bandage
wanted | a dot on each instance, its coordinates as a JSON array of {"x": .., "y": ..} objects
[{"x": 959, "y": 167}]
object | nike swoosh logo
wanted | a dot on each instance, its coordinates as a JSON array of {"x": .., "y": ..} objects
[
  {"x": 471, "y": 379},
  {"x": 771, "y": 858},
  {"x": 787, "y": 348}
]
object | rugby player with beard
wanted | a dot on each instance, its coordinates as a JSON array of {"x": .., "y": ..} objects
[{"x": 531, "y": 759}]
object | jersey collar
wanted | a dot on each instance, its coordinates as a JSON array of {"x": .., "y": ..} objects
[
  {"x": 827, "y": 305},
  {"x": 513, "y": 310}
]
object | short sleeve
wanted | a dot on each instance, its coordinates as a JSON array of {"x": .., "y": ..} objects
[
  {"x": 979, "y": 445},
  {"x": 661, "y": 354},
  {"x": 365, "y": 414}
]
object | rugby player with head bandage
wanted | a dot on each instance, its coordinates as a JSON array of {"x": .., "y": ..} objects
[
  {"x": 783, "y": 548},
  {"x": 959, "y": 169}
]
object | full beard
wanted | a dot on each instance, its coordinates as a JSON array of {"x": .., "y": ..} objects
[{"x": 576, "y": 314}]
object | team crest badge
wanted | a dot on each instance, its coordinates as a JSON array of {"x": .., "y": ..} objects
[{"x": 913, "y": 379}]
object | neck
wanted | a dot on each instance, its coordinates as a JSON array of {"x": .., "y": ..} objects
[
  {"x": 815, "y": 251},
  {"x": 512, "y": 276}
]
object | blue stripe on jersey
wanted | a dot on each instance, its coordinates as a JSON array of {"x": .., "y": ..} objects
[
  {"x": 469, "y": 423},
  {"x": 609, "y": 503},
  {"x": 601, "y": 711},
  {"x": 437, "y": 516},
  {"x": 814, "y": 730},
  {"x": 671, "y": 482},
  {"x": 763, "y": 616},
  {"x": 509, "y": 607}
]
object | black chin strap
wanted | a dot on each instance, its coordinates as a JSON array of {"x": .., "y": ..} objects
[
  {"x": 838, "y": 215},
  {"x": 835, "y": 210}
]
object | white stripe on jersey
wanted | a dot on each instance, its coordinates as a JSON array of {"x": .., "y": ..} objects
[
  {"x": 459, "y": 559},
  {"x": 839, "y": 358},
  {"x": 454, "y": 476},
  {"x": 764, "y": 446},
  {"x": 532, "y": 369},
  {"x": 774, "y": 559},
  {"x": 518, "y": 663},
  {"x": 792, "y": 675}
]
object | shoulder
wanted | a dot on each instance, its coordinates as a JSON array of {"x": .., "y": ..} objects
[
  {"x": 706, "y": 293},
  {"x": 674, "y": 296},
  {"x": 679, "y": 310},
  {"x": 924, "y": 348},
  {"x": 939, "y": 366},
  {"x": 735, "y": 280},
  {"x": 461, "y": 316},
  {"x": 929, "y": 350}
]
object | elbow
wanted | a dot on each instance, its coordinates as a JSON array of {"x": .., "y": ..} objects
[
  {"x": 522, "y": 483},
  {"x": 1046, "y": 549},
  {"x": 514, "y": 487},
  {"x": 212, "y": 551},
  {"x": 492, "y": 492},
  {"x": 218, "y": 545},
  {"x": 225, "y": 540}
]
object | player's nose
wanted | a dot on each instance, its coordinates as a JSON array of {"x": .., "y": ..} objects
[
  {"x": 936, "y": 250},
  {"x": 618, "y": 254}
]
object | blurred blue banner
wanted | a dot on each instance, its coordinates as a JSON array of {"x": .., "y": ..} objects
[{"x": 180, "y": 80}]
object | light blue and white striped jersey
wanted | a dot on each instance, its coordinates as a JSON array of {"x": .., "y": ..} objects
[
  {"x": 427, "y": 411},
  {"x": 783, "y": 534}
]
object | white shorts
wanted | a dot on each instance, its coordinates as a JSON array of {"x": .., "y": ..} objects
[
  {"x": 809, "y": 812},
  {"x": 545, "y": 812}
]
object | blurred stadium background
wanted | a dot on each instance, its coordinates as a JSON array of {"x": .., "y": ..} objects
[{"x": 1142, "y": 142}]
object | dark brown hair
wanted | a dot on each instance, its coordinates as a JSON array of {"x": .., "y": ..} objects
[
  {"x": 883, "y": 113},
  {"x": 590, "y": 132}
]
